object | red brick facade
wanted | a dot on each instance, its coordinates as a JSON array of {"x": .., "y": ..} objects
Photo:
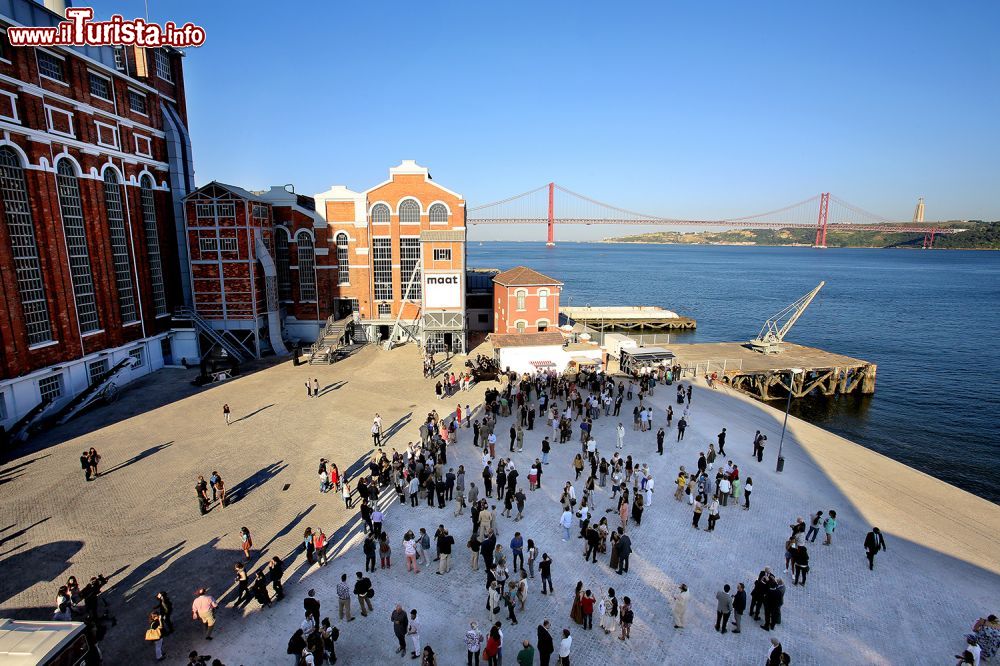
[
  {"x": 46, "y": 121},
  {"x": 525, "y": 301}
]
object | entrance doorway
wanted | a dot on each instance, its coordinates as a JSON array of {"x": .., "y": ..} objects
[{"x": 383, "y": 333}]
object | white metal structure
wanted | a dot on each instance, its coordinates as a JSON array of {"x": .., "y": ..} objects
[{"x": 774, "y": 330}]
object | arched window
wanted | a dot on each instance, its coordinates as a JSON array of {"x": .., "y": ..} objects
[
  {"x": 343, "y": 260},
  {"x": 21, "y": 229},
  {"x": 77, "y": 251},
  {"x": 119, "y": 245},
  {"x": 543, "y": 299},
  {"x": 153, "y": 244},
  {"x": 380, "y": 214},
  {"x": 282, "y": 262},
  {"x": 521, "y": 295},
  {"x": 409, "y": 212},
  {"x": 542, "y": 325},
  {"x": 438, "y": 213},
  {"x": 520, "y": 325},
  {"x": 307, "y": 267}
]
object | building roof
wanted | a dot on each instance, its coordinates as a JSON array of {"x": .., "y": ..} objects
[
  {"x": 522, "y": 276},
  {"x": 544, "y": 339},
  {"x": 211, "y": 190}
]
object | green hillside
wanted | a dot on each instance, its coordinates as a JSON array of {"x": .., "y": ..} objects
[{"x": 978, "y": 236}]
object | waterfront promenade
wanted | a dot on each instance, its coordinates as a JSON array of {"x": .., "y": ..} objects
[{"x": 140, "y": 522}]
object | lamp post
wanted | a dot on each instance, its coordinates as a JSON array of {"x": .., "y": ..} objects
[{"x": 791, "y": 385}]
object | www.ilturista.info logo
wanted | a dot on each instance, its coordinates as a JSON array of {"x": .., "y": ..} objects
[{"x": 80, "y": 30}]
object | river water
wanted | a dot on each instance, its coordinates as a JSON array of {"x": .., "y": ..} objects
[{"x": 929, "y": 319}]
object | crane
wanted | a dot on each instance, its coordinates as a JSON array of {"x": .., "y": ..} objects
[{"x": 774, "y": 330}]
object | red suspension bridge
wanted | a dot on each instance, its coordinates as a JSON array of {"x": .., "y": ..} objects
[{"x": 820, "y": 212}]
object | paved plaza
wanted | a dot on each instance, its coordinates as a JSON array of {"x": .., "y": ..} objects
[{"x": 139, "y": 524}]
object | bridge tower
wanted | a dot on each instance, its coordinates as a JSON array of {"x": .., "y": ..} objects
[
  {"x": 918, "y": 213},
  {"x": 551, "y": 242},
  {"x": 824, "y": 210}
]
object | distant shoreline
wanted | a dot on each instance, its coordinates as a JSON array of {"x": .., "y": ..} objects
[{"x": 605, "y": 241}]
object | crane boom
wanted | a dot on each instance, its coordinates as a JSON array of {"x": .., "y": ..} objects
[{"x": 774, "y": 330}]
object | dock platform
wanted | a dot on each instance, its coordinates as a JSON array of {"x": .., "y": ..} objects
[
  {"x": 766, "y": 376},
  {"x": 627, "y": 318}
]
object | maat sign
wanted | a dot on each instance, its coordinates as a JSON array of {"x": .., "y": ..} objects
[{"x": 442, "y": 290}]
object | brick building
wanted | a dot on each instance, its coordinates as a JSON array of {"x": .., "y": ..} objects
[
  {"x": 525, "y": 301},
  {"x": 400, "y": 257},
  {"x": 257, "y": 263},
  {"x": 94, "y": 160}
]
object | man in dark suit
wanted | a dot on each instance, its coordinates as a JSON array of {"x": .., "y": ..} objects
[
  {"x": 545, "y": 646},
  {"x": 874, "y": 542},
  {"x": 624, "y": 550}
]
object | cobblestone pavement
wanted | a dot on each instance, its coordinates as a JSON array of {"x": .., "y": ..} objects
[{"x": 140, "y": 523}]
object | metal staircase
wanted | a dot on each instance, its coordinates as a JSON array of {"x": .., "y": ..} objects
[
  {"x": 233, "y": 347},
  {"x": 106, "y": 388},
  {"x": 324, "y": 350}
]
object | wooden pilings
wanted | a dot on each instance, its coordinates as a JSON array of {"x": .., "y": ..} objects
[{"x": 777, "y": 383}]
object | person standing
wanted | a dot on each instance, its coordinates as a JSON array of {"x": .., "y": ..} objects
[
  {"x": 413, "y": 631},
  {"x": 829, "y": 525},
  {"x": 246, "y": 542},
  {"x": 319, "y": 543},
  {"x": 587, "y": 608},
  {"x": 363, "y": 590},
  {"x": 154, "y": 634},
  {"x": 545, "y": 644},
  {"x": 874, "y": 542},
  {"x": 545, "y": 571},
  {"x": 682, "y": 425},
  {"x": 680, "y": 605},
  {"x": 747, "y": 489},
  {"x": 243, "y": 586},
  {"x": 165, "y": 607},
  {"x": 627, "y": 617},
  {"x": 399, "y": 627},
  {"x": 722, "y": 442},
  {"x": 226, "y": 412},
  {"x": 660, "y": 434},
  {"x": 565, "y": 645},
  {"x": 739, "y": 605},
  {"x": 624, "y": 551},
  {"x": 445, "y": 542},
  {"x": 277, "y": 571},
  {"x": 800, "y": 564},
  {"x": 526, "y": 657},
  {"x": 203, "y": 609},
  {"x": 814, "y": 525},
  {"x": 344, "y": 599},
  {"x": 308, "y": 387},
  {"x": 85, "y": 464},
  {"x": 315, "y": 387},
  {"x": 723, "y": 609},
  {"x": 311, "y": 605}
]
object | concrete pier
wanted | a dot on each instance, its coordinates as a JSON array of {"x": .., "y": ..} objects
[{"x": 769, "y": 376}]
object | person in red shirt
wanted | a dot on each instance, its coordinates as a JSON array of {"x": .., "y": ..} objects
[{"x": 587, "y": 605}]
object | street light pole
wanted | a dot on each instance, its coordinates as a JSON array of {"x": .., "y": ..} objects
[{"x": 791, "y": 385}]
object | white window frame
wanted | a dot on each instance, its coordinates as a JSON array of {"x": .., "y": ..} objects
[
  {"x": 225, "y": 210},
  {"x": 543, "y": 322},
  {"x": 13, "y": 106},
  {"x": 543, "y": 299},
  {"x": 114, "y": 132},
  {"x": 228, "y": 244},
  {"x": 59, "y": 382},
  {"x": 105, "y": 369},
  {"x": 3, "y": 58},
  {"x": 521, "y": 300},
  {"x": 442, "y": 254},
  {"x": 521, "y": 325},
  {"x": 48, "y": 119},
  {"x": 41, "y": 51},
  {"x": 128, "y": 101},
  {"x": 384, "y": 310},
  {"x": 208, "y": 244},
  {"x": 138, "y": 354},
  {"x": 120, "y": 58},
  {"x": 111, "y": 88},
  {"x": 161, "y": 63},
  {"x": 204, "y": 211},
  {"x": 149, "y": 145}
]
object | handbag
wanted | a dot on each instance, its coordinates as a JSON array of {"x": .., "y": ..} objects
[{"x": 153, "y": 634}]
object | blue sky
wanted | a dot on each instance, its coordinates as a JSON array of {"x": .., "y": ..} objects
[{"x": 694, "y": 110}]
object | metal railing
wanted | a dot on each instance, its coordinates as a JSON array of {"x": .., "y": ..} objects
[{"x": 240, "y": 352}]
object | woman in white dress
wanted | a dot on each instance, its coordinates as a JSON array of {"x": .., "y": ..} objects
[{"x": 609, "y": 612}]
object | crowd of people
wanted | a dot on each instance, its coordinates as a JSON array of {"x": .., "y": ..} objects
[{"x": 609, "y": 487}]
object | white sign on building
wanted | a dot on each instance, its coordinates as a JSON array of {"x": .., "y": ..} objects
[{"x": 442, "y": 290}]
